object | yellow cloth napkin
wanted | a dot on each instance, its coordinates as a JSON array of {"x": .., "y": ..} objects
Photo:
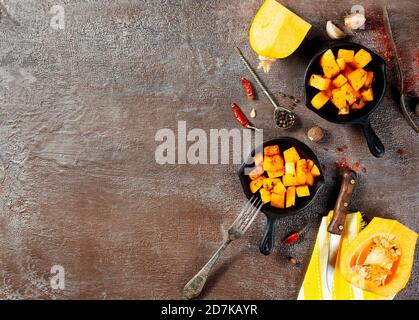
[{"x": 315, "y": 286}]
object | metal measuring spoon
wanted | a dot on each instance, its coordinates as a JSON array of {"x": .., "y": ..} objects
[{"x": 284, "y": 118}]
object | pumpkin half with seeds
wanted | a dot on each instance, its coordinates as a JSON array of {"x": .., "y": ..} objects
[{"x": 380, "y": 258}]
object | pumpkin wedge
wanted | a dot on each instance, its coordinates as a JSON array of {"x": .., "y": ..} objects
[
  {"x": 380, "y": 258},
  {"x": 276, "y": 32}
]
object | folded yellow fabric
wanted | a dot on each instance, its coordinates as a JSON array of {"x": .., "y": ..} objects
[{"x": 315, "y": 286}]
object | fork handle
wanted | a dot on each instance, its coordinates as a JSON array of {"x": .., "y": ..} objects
[{"x": 194, "y": 287}]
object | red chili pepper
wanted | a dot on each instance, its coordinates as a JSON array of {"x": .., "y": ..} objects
[
  {"x": 248, "y": 89},
  {"x": 241, "y": 117},
  {"x": 293, "y": 237}
]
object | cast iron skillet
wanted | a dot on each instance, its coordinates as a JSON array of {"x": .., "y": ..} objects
[
  {"x": 272, "y": 213},
  {"x": 360, "y": 117}
]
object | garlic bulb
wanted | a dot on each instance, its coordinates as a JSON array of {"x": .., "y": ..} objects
[
  {"x": 354, "y": 21},
  {"x": 265, "y": 63},
  {"x": 333, "y": 31}
]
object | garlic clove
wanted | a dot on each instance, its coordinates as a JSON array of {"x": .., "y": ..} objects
[
  {"x": 354, "y": 21},
  {"x": 253, "y": 113},
  {"x": 265, "y": 63},
  {"x": 333, "y": 31}
]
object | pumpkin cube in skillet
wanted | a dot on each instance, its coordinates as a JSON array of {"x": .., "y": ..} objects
[
  {"x": 290, "y": 197},
  {"x": 367, "y": 95},
  {"x": 271, "y": 151},
  {"x": 273, "y": 163},
  {"x": 302, "y": 191},
  {"x": 265, "y": 195},
  {"x": 339, "y": 98},
  {"x": 339, "y": 81},
  {"x": 346, "y": 55},
  {"x": 291, "y": 155},
  {"x": 318, "y": 82},
  {"x": 255, "y": 185},
  {"x": 361, "y": 58},
  {"x": 341, "y": 63},
  {"x": 301, "y": 171},
  {"x": 357, "y": 78},
  {"x": 278, "y": 200},
  {"x": 319, "y": 100}
]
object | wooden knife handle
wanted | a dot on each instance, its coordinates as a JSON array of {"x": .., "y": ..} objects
[{"x": 342, "y": 203}]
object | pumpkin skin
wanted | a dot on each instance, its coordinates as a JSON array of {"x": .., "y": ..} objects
[{"x": 405, "y": 239}]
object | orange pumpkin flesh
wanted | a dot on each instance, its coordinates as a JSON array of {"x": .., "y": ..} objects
[{"x": 380, "y": 258}]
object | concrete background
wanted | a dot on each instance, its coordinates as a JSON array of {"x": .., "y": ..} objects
[{"x": 79, "y": 110}]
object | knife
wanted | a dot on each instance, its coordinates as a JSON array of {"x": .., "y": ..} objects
[{"x": 337, "y": 223}]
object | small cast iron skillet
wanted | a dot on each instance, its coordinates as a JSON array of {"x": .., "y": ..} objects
[
  {"x": 273, "y": 214},
  {"x": 360, "y": 117}
]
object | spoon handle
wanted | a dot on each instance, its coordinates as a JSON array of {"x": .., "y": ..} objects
[{"x": 260, "y": 84}]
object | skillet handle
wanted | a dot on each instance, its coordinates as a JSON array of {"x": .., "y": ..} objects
[
  {"x": 268, "y": 240},
  {"x": 374, "y": 143}
]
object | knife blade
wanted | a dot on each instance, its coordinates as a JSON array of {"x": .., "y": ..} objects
[{"x": 336, "y": 225}]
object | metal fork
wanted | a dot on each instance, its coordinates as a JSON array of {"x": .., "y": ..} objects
[{"x": 249, "y": 212}]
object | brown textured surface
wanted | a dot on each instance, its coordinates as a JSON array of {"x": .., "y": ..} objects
[{"x": 79, "y": 110}]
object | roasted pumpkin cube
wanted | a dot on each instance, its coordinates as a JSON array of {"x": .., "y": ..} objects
[
  {"x": 367, "y": 94},
  {"x": 327, "y": 56},
  {"x": 290, "y": 197},
  {"x": 278, "y": 200},
  {"x": 302, "y": 191},
  {"x": 301, "y": 171},
  {"x": 276, "y": 174},
  {"x": 265, "y": 195},
  {"x": 319, "y": 100},
  {"x": 347, "y": 55},
  {"x": 315, "y": 171},
  {"x": 339, "y": 98},
  {"x": 310, "y": 164},
  {"x": 357, "y": 78},
  {"x": 361, "y": 58},
  {"x": 291, "y": 155},
  {"x": 279, "y": 187},
  {"x": 271, "y": 151},
  {"x": 330, "y": 68},
  {"x": 358, "y": 105},
  {"x": 310, "y": 179},
  {"x": 256, "y": 173},
  {"x": 255, "y": 185},
  {"x": 258, "y": 159},
  {"x": 289, "y": 180},
  {"x": 341, "y": 63},
  {"x": 339, "y": 81},
  {"x": 290, "y": 168},
  {"x": 370, "y": 78},
  {"x": 269, "y": 183},
  {"x": 350, "y": 94},
  {"x": 318, "y": 82},
  {"x": 273, "y": 163}
]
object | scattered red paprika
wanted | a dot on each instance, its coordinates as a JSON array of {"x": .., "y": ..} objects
[{"x": 248, "y": 89}]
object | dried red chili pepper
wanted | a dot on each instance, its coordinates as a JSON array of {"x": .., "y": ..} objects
[
  {"x": 293, "y": 237},
  {"x": 248, "y": 89},
  {"x": 241, "y": 117}
]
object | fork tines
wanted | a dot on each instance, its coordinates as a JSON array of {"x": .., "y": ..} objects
[{"x": 247, "y": 214}]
